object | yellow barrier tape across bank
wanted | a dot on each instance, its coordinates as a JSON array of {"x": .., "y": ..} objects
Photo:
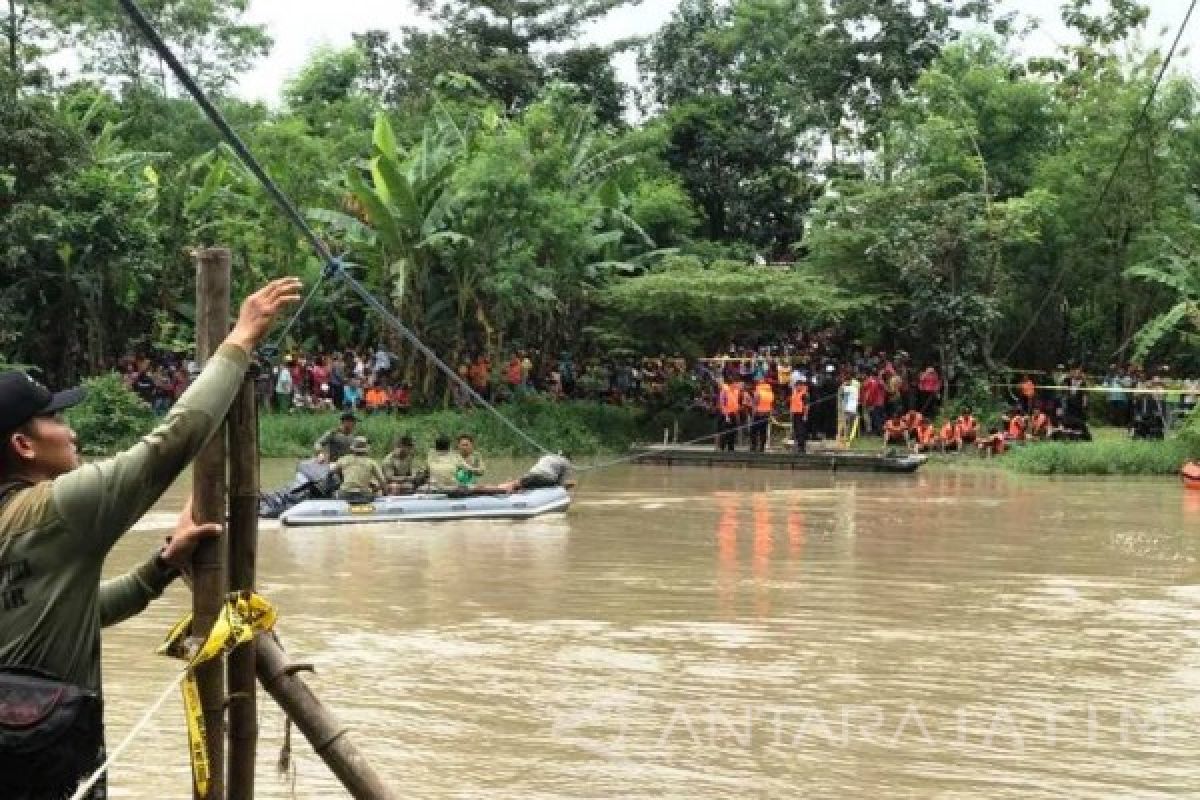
[
  {"x": 1099, "y": 388},
  {"x": 244, "y": 615}
]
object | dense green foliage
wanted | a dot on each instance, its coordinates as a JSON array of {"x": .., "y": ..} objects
[
  {"x": 111, "y": 418},
  {"x": 926, "y": 190}
]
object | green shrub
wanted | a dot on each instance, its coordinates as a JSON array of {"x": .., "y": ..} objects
[
  {"x": 577, "y": 428},
  {"x": 1113, "y": 457},
  {"x": 111, "y": 418}
]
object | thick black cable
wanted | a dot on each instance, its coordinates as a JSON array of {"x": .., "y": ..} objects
[
  {"x": 372, "y": 301},
  {"x": 1112, "y": 177}
]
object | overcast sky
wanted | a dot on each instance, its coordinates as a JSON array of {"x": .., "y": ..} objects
[{"x": 301, "y": 26}]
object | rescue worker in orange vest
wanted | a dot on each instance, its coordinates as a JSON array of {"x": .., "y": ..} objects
[
  {"x": 895, "y": 431},
  {"x": 798, "y": 405},
  {"x": 1016, "y": 427},
  {"x": 993, "y": 444},
  {"x": 968, "y": 427},
  {"x": 950, "y": 439},
  {"x": 924, "y": 436},
  {"x": 1039, "y": 424},
  {"x": 728, "y": 406},
  {"x": 764, "y": 403}
]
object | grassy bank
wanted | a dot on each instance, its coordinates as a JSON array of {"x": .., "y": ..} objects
[
  {"x": 1111, "y": 453},
  {"x": 577, "y": 428},
  {"x": 1101, "y": 457}
]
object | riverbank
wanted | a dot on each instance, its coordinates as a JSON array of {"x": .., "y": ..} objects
[
  {"x": 578, "y": 428},
  {"x": 1111, "y": 452}
]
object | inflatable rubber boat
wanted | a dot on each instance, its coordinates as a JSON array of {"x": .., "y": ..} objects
[{"x": 427, "y": 508}]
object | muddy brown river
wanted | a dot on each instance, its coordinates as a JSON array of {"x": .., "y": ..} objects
[{"x": 697, "y": 633}]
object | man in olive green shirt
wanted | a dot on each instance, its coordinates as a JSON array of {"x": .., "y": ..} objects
[
  {"x": 59, "y": 519},
  {"x": 337, "y": 442},
  {"x": 399, "y": 467},
  {"x": 361, "y": 476}
]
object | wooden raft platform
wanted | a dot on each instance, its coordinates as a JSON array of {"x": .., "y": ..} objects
[{"x": 827, "y": 460}]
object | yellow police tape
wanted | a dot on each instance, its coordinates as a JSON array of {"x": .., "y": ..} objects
[{"x": 243, "y": 615}]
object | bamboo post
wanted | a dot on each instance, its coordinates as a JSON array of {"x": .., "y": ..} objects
[
  {"x": 243, "y": 553},
  {"x": 327, "y": 736},
  {"x": 208, "y": 490}
]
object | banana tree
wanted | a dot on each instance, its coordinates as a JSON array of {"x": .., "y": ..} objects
[{"x": 400, "y": 212}]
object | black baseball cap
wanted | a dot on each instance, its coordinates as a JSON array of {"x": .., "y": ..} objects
[
  {"x": 22, "y": 398},
  {"x": 348, "y": 416}
]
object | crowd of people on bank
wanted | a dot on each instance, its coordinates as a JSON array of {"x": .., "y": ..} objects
[
  {"x": 848, "y": 388},
  {"x": 825, "y": 397}
]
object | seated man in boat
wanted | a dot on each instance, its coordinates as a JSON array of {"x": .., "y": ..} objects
[
  {"x": 950, "y": 438},
  {"x": 362, "y": 477},
  {"x": 471, "y": 467},
  {"x": 399, "y": 468},
  {"x": 443, "y": 466},
  {"x": 551, "y": 470}
]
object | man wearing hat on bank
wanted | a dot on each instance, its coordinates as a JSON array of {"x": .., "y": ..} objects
[
  {"x": 58, "y": 520},
  {"x": 337, "y": 442},
  {"x": 362, "y": 477}
]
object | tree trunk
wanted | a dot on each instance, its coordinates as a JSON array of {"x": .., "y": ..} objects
[
  {"x": 208, "y": 488},
  {"x": 14, "y": 59}
]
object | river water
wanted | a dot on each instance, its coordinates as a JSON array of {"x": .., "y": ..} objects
[{"x": 696, "y": 633}]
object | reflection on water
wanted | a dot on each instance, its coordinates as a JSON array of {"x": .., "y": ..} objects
[{"x": 696, "y": 633}]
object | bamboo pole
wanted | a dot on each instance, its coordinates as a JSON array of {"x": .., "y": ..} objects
[
  {"x": 328, "y": 737},
  {"x": 243, "y": 552},
  {"x": 208, "y": 490}
]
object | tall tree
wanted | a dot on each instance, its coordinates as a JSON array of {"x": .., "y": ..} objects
[
  {"x": 29, "y": 33},
  {"x": 209, "y": 37},
  {"x": 505, "y": 39}
]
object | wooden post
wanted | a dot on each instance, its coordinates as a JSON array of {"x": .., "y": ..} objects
[
  {"x": 243, "y": 553},
  {"x": 327, "y": 736},
  {"x": 208, "y": 490}
]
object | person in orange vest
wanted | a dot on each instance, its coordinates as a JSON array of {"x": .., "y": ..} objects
[
  {"x": 924, "y": 437},
  {"x": 1039, "y": 424},
  {"x": 993, "y": 444},
  {"x": 727, "y": 408},
  {"x": 1016, "y": 427},
  {"x": 950, "y": 438},
  {"x": 968, "y": 426},
  {"x": 764, "y": 404},
  {"x": 912, "y": 420},
  {"x": 798, "y": 405},
  {"x": 895, "y": 431}
]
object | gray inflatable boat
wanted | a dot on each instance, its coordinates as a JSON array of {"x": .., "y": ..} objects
[{"x": 427, "y": 508}]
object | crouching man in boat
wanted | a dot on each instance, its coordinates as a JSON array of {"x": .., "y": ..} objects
[
  {"x": 59, "y": 519},
  {"x": 399, "y": 468},
  {"x": 362, "y": 477},
  {"x": 550, "y": 471}
]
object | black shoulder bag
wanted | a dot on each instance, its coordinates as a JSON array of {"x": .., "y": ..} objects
[{"x": 51, "y": 732}]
